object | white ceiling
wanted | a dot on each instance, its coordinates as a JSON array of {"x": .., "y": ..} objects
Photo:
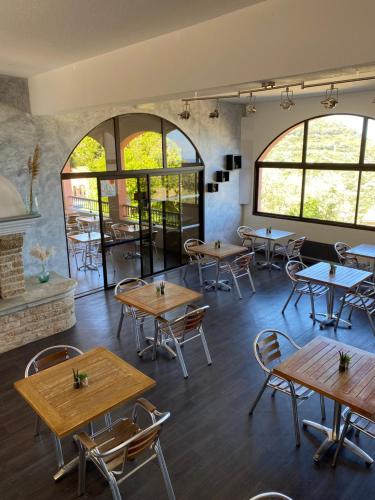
[{"x": 39, "y": 35}]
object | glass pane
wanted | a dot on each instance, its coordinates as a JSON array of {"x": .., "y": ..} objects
[
  {"x": 140, "y": 142},
  {"x": 370, "y": 142},
  {"x": 334, "y": 139},
  {"x": 280, "y": 191},
  {"x": 190, "y": 199},
  {"x": 96, "y": 152},
  {"x": 287, "y": 147},
  {"x": 179, "y": 149},
  {"x": 366, "y": 207},
  {"x": 330, "y": 195}
]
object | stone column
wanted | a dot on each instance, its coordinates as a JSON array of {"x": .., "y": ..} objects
[{"x": 12, "y": 280}]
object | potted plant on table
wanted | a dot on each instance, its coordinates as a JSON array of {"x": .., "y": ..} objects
[
  {"x": 42, "y": 254},
  {"x": 344, "y": 361}
]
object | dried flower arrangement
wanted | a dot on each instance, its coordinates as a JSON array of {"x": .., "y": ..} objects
[
  {"x": 42, "y": 253},
  {"x": 33, "y": 168}
]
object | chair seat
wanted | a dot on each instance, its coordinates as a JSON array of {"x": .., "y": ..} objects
[
  {"x": 359, "y": 301},
  {"x": 315, "y": 289},
  {"x": 361, "y": 423},
  {"x": 283, "y": 386}
]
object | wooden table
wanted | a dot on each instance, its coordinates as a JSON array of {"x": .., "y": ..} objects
[
  {"x": 273, "y": 236},
  {"x": 112, "y": 382},
  {"x": 344, "y": 277},
  {"x": 225, "y": 250},
  {"x": 146, "y": 299},
  {"x": 365, "y": 250},
  {"x": 316, "y": 366}
]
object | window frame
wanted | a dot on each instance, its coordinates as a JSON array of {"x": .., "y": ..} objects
[{"x": 359, "y": 167}]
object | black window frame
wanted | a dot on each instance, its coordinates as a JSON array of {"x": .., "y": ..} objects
[{"x": 303, "y": 165}]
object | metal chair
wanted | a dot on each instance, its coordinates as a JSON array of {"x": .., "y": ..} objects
[
  {"x": 267, "y": 351},
  {"x": 46, "y": 358},
  {"x": 137, "y": 317},
  {"x": 184, "y": 329},
  {"x": 360, "y": 424},
  {"x": 194, "y": 258},
  {"x": 113, "y": 448},
  {"x": 362, "y": 299},
  {"x": 75, "y": 248},
  {"x": 239, "y": 267},
  {"x": 302, "y": 287},
  {"x": 341, "y": 249},
  {"x": 271, "y": 496},
  {"x": 244, "y": 233},
  {"x": 290, "y": 251}
]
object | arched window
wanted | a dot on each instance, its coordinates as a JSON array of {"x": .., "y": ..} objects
[{"x": 320, "y": 170}]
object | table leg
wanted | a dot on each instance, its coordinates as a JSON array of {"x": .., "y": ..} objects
[
  {"x": 267, "y": 264},
  {"x": 62, "y": 467},
  {"x": 329, "y": 318},
  {"x": 333, "y": 436},
  {"x": 155, "y": 343},
  {"x": 217, "y": 284}
]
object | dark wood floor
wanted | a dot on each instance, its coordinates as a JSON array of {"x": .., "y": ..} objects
[{"x": 212, "y": 448}]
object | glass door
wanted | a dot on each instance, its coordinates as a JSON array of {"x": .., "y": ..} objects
[
  {"x": 125, "y": 228},
  {"x": 190, "y": 194}
]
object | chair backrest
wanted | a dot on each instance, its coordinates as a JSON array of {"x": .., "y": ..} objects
[
  {"x": 292, "y": 267},
  {"x": 189, "y": 322},
  {"x": 295, "y": 247},
  {"x": 116, "y": 233},
  {"x": 243, "y": 232},
  {"x": 270, "y": 496},
  {"x": 267, "y": 347},
  {"x": 242, "y": 263},
  {"x": 128, "y": 284},
  {"x": 50, "y": 356},
  {"x": 341, "y": 248},
  {"x": 192, "y": 242}
]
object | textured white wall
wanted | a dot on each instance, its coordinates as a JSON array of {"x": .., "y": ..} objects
[
  {"x": 260, "y": 129},
  {"x": 271, "y": 39},
  {"x": 58, "y": 135}
]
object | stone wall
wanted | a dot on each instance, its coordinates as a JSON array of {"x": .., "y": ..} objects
[
  {"x": 12, "y": 280},
  {"x": 58, "y": 135}
]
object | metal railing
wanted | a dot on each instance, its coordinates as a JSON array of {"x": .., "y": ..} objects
[
  {"x": 172, "y": 219},
  {"x": 89, "y": 204}
]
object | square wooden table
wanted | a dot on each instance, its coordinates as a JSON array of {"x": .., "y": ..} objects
[
  {"x": 226, "y": 250},
  {"x": 316, "y": 366},
  {"x": 146, "y": 299},
  {"x": 364, "y": 250},
  {"x": 112, "y": 382},
  {"x": 344, "y": 277},
  {"x": 273, "y": 236}
]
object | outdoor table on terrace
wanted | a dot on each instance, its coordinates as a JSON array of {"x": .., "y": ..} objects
[
  {"x": 226, "y": 250},
  {"x": 365, "y": 250},
  {"x": 270, "y": 238},
  {"x": 87, "y": 239},
  {"x": 146, "y": 299},
  {"x": 344, "y": 277},
  {"x": 112, "y": 382},
  {"x": 316, "y": 366}
]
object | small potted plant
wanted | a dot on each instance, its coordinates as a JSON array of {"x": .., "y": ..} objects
[
  {"x": 83, "y": 378},
  {"x": 332, "y": 269},
  {"x": 162, "y": 287},
  {"x": 42, "y": 254},
  {"x": 344, "y": 361}
]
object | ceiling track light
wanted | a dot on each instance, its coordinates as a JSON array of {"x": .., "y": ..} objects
[
  {"x": 250, "y": 107},
  {"x": 332, "y": 97},
  {"x": 287, "y": 101},
  {"x": 215, "y": 113},
  {"x": 185, "y": 113}
]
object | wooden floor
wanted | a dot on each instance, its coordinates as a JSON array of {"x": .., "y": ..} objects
[{"x": 212, "y": 448}]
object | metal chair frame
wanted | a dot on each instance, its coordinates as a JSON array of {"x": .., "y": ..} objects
[
  {"x": 137, "y": 317},
  {"x": 363, "y": 299},
  {"x": 348, "y": 260},
  {"x": 302, "y": 287},
  {"x": 190, "y": 324},
  {"x": 76, "y": 248},
  {"x": 142, "y": 441},
  {"x": 290, "y": 251},
  {"x": 238, "y": 268},
  {"x": 271, "y": 495},
  {"x": 194, "y": 258},
  {"x": 250, "y": 241},
  {"x": 360, "y": 424},
  {"x": 266, "y": 350}
]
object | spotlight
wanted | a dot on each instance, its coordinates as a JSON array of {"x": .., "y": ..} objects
[
  {"x": 332, "y": 97},
  {"x": 215, "y": 112},
  {"x": 250, "y": 108},
  {"x": 185, "y": 113},
  {"x": 287, "y": 99}
]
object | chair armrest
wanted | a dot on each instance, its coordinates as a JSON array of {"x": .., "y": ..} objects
[
  {"x": 86, "y": 441},
  {"x": 191, "y": 307},
  {"x": 146, "y": 405}
]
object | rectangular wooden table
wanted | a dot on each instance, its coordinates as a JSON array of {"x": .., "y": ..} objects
[
  {"x": 364, "y": 250},
  {"x": 226, "y": 250},
  {"x": 112, "y": 382},
  {"x": 316, "y": 366},
  {"x": 344, "y": 277},
  {"x": 146, "y": 299},
  {"x": 273, "y": 236}
]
